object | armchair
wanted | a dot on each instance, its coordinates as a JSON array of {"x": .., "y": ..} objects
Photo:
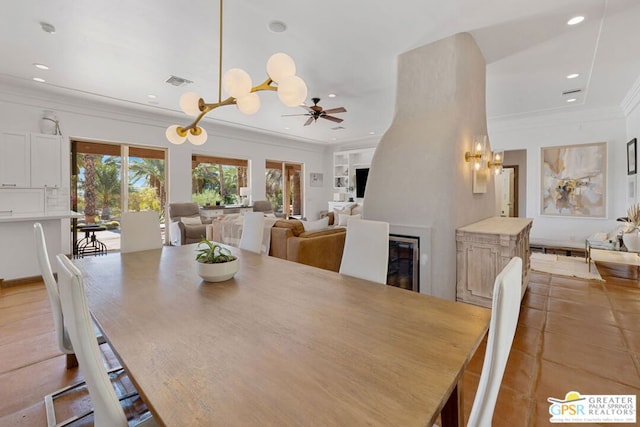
[{"x": 183, "y": 232}]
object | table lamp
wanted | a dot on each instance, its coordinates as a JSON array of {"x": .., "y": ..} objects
[{"x": 245, "y": 192}]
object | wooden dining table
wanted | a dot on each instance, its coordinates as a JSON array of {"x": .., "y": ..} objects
[{"x": 281, "y": 343}]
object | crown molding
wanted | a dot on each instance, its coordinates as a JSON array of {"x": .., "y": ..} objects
[
  {"x": 15, "y": 91},
  {"x": 632, "y": 98},
  {"x": 547, "y": 119}
]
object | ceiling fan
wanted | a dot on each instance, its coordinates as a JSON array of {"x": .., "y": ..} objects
[{"x": 315, "y": 112}]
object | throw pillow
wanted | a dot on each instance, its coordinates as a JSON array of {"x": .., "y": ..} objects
[
  {"x": 316, "y": 225},
  {"x": 343, "y": 219},
  {"x": 186, "y": 220},
  {"x": 344, "y": 211}
]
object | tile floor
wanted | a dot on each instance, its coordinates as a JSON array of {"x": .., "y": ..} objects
[{"x": 573, "y": 335}]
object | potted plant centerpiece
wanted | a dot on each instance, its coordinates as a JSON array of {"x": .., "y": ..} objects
[
  {"x": 215, "y": 263},
  {"x": 632, "y": 225}
]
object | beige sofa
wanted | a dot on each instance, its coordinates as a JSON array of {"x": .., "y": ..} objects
[{"x": 322, "y": 249}]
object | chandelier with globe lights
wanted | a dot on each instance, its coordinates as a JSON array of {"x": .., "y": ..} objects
[{"x": 281, "y": 77}]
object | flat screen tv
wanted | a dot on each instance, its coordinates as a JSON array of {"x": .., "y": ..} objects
[{"x": 361, "y": 181}]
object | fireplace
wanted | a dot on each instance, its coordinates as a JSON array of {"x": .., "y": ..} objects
[{"x": 404, "y": 259}]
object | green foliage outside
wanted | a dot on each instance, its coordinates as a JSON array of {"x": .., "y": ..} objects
[
  {"x": 206, "y": 196},
  {"x": 99, "y": 187},
  {"x": 211, "y": 183},
  {"x": 274, "y": 188},
  {"x": 144, "y": 199}
]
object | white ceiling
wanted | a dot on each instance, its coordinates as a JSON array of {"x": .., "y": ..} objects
[{"x": 120, "y": 51}]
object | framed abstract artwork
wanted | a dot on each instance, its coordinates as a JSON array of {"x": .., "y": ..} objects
[
  {"x": 573, "y": 180},
  {"x": 632, "y": 166}
]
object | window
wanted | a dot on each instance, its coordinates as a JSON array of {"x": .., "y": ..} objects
[
  {"x": 284, "y": 187},
  {"x": 217, "y": 179}
]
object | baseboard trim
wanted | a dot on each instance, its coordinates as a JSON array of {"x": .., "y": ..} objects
[{"x": 20, "y": 281}]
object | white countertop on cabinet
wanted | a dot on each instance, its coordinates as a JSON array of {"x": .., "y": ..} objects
[{"x": 40, "y": 216}]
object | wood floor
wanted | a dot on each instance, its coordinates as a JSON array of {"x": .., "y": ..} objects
[{"x": 573, "y": 335}]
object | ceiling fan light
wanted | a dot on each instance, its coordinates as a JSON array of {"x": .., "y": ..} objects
[
  {"x": 174, "y": 136},
  {"x": 249, "y": 103},
  {"x": 237, "y": 82},
  {"x": 189, "y": 103},
  {"x": 197, "y": 136},
  {"x": 292, "y": 91},
  {"x": 280, "y": 66}
]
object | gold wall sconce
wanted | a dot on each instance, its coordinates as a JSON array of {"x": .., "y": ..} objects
[
  {"x": 479, "y": 152},
  {"x": 496, "y": 162}
]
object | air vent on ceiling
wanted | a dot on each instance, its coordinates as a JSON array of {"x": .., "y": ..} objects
[
  {"x": 569, "y": 92},
  {"x": 178, "y": 81},
  {"x": 338, "y": 128}
]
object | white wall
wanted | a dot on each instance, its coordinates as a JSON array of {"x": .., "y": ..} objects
[
  {"x": 418, "y": 176},
  {"x": 565, "y": 128},
  {"x": 21, "y": 109}
]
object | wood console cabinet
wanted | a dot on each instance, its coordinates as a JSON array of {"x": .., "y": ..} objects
[{"x": 483, "y": 249}]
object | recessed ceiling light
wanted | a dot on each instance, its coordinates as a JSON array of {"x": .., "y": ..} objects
[
  {"x": 151, "y": 96},
  {"x": 287, "y": 128},
  {"x": 48, "y": 28},
  {"x": 334, "y": 139},
  {"x": 332, "y": 95},
  {"x": 41, "y": 66},
  {"x": 575, "y": 20},
  {"x": 372, "y": 133},
  {"x": 573, "y": 76},
  {"x": 571, "y": 100},
  {"x": 38, "y": 79},
  {"x": 277, "y": 26}
]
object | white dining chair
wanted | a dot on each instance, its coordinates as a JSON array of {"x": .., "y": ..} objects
[
  {"x": 140, "y": 231},
  {"x": 62, "y": 336},
  {"x": 507, "y": 293},
  {"x": 62, "y": 339},
  {"x": 366, "y": 250},
  {"x": 107, "y": 410},
  {"x": 252, "y": 232}
]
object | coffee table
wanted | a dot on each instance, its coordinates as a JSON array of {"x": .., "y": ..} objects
[{"x": 612, "y": 255}]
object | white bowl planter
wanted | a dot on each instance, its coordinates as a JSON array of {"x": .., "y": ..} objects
[{"x": 217, "y": 272}]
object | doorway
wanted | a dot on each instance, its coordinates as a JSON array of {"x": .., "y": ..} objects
[
  {"x": 108, "y": 179},
  {"x": 284, "y": 188},
  {"x": 509, "y": 193}
]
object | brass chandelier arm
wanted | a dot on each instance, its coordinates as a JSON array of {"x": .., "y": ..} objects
[
  {"x": 265, "y": 85},
  {"x": 205, "y": 108}
]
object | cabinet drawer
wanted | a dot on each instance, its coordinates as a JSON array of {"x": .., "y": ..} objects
[{"x": 21, "y": 201}]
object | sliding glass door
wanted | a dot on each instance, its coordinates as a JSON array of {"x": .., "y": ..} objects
[{"x": 99, "y": 172}]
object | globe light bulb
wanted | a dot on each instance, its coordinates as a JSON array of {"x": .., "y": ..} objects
[
  {"x": 292, "y": 91},
  {"x": 237, "y": 82},
  {"x": 189, "y": 103},
  {"x": 197, "y": 136},
  {"x": 280, "y": 66},
  {"x": 174, "y": 136},
  {"x": 249, "y": 103}
]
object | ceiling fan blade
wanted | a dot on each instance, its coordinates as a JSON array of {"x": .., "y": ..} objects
[
  {"x": 336, "y": 110},
  {"x": 309, "y": 121},
  {"x": 333, "y": 119},
  {"x": 293, "y": 115},
  {"x": 307, "y": 108}
]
